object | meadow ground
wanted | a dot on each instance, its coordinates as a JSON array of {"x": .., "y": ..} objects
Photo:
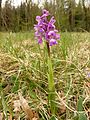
[{"x": 23, "y": 77}]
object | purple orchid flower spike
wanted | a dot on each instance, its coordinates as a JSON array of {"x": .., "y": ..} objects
[{"x": 46, "y": 29}]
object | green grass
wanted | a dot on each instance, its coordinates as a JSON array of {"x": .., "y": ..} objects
[{"x": 23, "y": 68}]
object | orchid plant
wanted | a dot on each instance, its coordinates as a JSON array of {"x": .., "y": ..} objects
[{"x": 45, "y": 31}]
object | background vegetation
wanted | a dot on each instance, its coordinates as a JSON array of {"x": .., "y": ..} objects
[
  {"x": 23, "y": 69},
  {"x": 70, "y": 16}
]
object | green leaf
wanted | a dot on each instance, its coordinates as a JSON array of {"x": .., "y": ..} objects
[
  {"x": 51, "y": 87},
  {"x": 79, "y": 104},
  {"x": 5, "y": 108},
  {"x": 16, "y": 84},
  {"x": 53, "y": 118},
  {"x": 82, "y": 116}
]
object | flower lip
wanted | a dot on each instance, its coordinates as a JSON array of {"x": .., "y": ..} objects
[
  {"x": 52, "y": 20},
  {"x": 38, "y": 18},
  {"x": 41, "y": 30},
  {"x": 51, "y": 33},
  {"x": 57, "y": 36},
  {"x": 52, "y": 42},
  {"x": 51, "y": 27},
  {"x": 45, "y": 12}
]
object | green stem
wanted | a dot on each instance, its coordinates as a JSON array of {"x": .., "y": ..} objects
[{"x": 51, "y": 84}]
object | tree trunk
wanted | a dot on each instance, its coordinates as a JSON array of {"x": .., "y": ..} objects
[
  {"x": 71, "y": 14},
  {"x": 85, "y": 14},
  {"x": 0, "y": 13}
]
